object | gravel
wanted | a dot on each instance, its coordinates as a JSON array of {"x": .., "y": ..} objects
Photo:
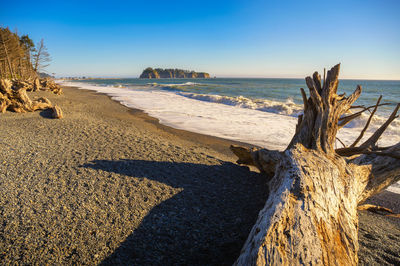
[{"x": 108, "y": 185}]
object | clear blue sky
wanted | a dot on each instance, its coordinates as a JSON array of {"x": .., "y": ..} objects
[{"x": 224, "y": 38}]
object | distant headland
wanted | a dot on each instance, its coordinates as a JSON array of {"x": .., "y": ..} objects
[{"x": 150, "y": 73}]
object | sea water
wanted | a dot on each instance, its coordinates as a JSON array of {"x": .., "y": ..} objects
[{"x": 262, "y": 112}]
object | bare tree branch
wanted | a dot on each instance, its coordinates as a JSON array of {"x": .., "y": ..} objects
[
  {"x": 374, "y": 138},
  {"x": 367, "y": 124}
]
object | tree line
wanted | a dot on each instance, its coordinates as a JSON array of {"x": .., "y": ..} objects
[{"x": 19, "y": 57}]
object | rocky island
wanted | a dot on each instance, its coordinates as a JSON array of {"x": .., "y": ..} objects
[{"x": 150, "y": 73}]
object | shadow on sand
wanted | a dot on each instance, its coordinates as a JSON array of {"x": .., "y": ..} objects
[
  {"x": 46, "y": 113},
  {"x": 204, "y": 224}
]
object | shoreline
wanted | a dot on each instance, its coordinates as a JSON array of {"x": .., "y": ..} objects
[
  {"x": 174, "y": 126},
  {"x": 110, "y": 184},
  {"x": 219, "y": 144},
  {"x": 229, "y": 115}
]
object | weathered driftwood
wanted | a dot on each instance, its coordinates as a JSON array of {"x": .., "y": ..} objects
[
  {"x": 310, "y": 216},
  {"x": 56, "y": 112},
  {"x": 13, "y": 96},
  {"x": 36, "y": 85},
  {"x": 49, "y": 84},
  {"x": 374, "y": 208}
]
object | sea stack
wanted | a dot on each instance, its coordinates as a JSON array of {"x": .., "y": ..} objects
[{"x": 150, "y": 73}]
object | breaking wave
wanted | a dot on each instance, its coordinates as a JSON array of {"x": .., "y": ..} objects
[
  {"x": 283, "y": 108},
  {"x": 288, "y": 108}
]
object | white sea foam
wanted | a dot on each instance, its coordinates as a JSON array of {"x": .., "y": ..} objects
[
  {"x": 200, "y": 113},
  {"x": 283, "y": 108}
]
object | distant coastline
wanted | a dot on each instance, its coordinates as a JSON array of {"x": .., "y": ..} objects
[{"x": 150, "y": 73}]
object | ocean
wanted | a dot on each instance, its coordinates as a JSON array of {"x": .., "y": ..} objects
[{"x": 262, "y": 112}]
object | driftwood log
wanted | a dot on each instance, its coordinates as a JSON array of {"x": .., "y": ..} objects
[
  {"x": 49, "y": 84},
  {"x": 310, "y": 216},
  {"x": 14, "y": 97}
]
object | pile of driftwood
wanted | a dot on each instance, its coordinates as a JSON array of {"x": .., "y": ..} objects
[{"x": 13, "y": 96}]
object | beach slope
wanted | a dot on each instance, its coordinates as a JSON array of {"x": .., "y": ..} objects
[{"x": 107, "y": 184}]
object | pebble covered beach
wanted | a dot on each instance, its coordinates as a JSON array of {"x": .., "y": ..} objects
[{"x": 108, "y": 184}]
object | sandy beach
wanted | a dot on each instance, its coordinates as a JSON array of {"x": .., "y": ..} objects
[{"x": 110, "y": 185}]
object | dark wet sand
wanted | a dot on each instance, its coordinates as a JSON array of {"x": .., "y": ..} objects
[{"x": 110, "y": 185}]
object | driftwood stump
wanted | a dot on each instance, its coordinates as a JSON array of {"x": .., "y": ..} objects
[
  {"x": 56, "y": 112},
  {"x": 310, "y": 216}
]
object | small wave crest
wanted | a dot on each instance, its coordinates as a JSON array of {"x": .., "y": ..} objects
[
  {"x": 290, "y": 108},
  {"x": 114, "y": 85},
  {"x": 155, "y": 84}
]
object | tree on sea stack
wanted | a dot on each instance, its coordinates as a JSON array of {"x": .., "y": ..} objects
[{"x": 310, "y": 216}]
